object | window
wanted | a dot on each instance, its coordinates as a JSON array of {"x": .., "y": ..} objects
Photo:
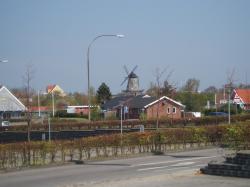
[
  {"x": 174, "y": 110},
  {"x": 168, "y": 110}
]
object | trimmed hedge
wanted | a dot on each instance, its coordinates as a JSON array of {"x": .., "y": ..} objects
[{"x": 40, "y": 153}]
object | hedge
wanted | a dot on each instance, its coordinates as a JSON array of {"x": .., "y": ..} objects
[{"x": 41, "y": 153}]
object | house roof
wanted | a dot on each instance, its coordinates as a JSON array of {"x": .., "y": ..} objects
[
  {"x": 165, "y": 98},
  {"x": 140, "y": 101},
  {"x": 42, "y": 108},
  {"x": 115, "y": 102},
  {"x": 244, "y": 95},
  {"x": 50, "y": 87},
  {"x": 8, "y": 102}
]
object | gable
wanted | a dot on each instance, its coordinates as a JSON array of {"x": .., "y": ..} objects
[
  {"x": 58, "y": 89},
  {"x": 167, "y": 99},
  {"x": 243, "y": 95},
  {"x": 8, "y": 102},
  {"x": 237, "y": 99}
]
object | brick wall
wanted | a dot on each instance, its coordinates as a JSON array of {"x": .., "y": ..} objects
[{"x": 166, "y": 109}]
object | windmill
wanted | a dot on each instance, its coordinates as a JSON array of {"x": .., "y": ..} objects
[{"x": 133, "y": 82}]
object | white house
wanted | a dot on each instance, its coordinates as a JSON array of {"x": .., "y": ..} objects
[{"x": 10, "y": 106}]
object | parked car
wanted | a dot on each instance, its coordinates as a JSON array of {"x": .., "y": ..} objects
[
  {"x": 217, "y": 114},
  {"x": 5, "y": 123}
]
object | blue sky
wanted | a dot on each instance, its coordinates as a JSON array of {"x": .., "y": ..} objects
[{"x": 202, "y": 39}]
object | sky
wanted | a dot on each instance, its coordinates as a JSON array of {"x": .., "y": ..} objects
[{"x": 202, "y": 39}]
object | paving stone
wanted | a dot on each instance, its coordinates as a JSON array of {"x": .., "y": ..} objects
[{"x": 237, "y": 166}]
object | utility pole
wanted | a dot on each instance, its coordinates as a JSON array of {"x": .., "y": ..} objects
[
  {"x": 121, "y": 119},
  {"x": 53, "y": 105},
  {"x": 49, "y": 128},
  {"x": 229, "y": 109},
  {"x": 38, "y": 103}
]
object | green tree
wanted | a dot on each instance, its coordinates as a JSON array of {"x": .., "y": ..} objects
[
  {"x": 103, "y": 93},
  {"x": 194, "y": 102}
]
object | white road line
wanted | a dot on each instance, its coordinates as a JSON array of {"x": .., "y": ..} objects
[
  {"x": 153, "y": 168},
  {"x": 186, "y": 167},
  {"x": 162, "y": 168},
  {"x": 173, "y": 161},
  {"x": 182, "y": 164}
]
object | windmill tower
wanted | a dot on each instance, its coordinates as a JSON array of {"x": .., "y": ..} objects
[{"x": 133, "y": 82}]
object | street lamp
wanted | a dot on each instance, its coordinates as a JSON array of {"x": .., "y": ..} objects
[
  {"x": 4, "y": 61},
  {"x": 99, "y": 36}
]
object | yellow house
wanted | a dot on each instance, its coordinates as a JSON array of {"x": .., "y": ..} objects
[{"x": 55, "y": 89}]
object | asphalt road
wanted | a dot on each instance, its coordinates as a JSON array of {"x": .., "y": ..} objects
[{"x": 174, "y": 169}]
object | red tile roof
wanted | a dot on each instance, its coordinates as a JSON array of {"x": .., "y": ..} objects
[
  {"x": 50, "y": 88},
  {"x": 42, "y": 108},
  {"x": 244, "y": 94}
]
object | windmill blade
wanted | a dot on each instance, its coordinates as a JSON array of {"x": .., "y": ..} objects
[
  {"x": 134, "y": 69},
  {"x": 124, "y": 81},
  {"x": 126, "y": 69}
]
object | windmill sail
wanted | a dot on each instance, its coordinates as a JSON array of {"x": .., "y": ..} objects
[{"x": 132, "y": 82}]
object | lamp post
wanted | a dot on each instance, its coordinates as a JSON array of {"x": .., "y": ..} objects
[
  {"x": 53, "y": 104},
  {"x": 97, "y": 37}
]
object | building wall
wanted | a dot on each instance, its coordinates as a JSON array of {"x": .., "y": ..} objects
[
  {"x": 165, "y": 110},
  {"x": 83, "y": 110},
  {"x": 247, "y": 107},
  {"x": 10, "y": 115}
]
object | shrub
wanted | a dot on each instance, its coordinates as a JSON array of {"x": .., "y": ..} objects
[{"x": 64, "y": 114}]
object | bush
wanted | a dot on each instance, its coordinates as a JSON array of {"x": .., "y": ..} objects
[{"x": 64, "y": 114}]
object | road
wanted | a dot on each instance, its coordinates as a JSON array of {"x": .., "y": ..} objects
[{"x": 174, "y": 169}]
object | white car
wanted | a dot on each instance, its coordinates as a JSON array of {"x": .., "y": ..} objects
[{"x": 5, "y": 123}]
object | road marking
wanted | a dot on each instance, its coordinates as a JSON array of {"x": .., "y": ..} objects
[
  {"x": 176, "y": 168},
  {"x": 153, "y": 168},
  {"x": 183, "y": 168},
  {"x": 172, "y": 161},
  {"x": 182, "y": 164}
]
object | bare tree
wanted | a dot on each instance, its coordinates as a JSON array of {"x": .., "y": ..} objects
[
  {"x": 27, "y": 78},
  {"x": 158, "y": 75},
  {"x": 192, "y": 85}
]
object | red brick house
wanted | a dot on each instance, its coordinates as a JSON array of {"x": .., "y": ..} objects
[
  {"x": 134, "y": 106},
  {"x": 242, "y": 98},
  {"x": 166, "y": 108}
]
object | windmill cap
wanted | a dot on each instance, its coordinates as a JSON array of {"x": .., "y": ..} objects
[{"x": 133, "y": 75}]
